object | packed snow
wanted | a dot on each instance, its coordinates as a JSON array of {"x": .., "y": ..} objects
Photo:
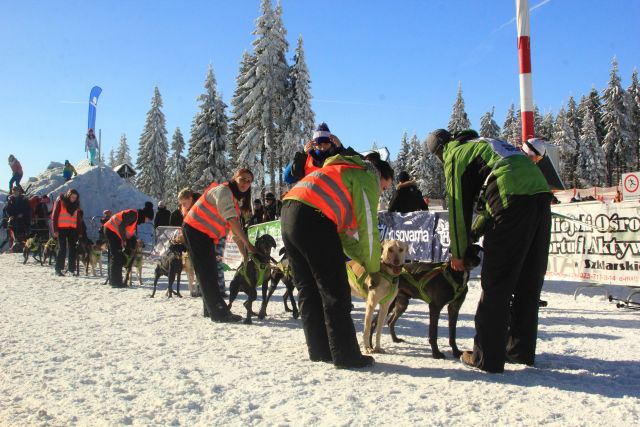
[{"x": 77, "y": 352}]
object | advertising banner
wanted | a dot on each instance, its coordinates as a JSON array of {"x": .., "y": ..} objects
[
  {"x": 595, "y": 242},
  {"x": 426, "y": 233}
]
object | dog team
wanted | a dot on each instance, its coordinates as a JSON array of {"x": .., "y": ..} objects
[{"x": 330, "y": 212}]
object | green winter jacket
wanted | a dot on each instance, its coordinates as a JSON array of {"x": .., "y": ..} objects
[
  {"x": 364, "y": 187},
  {"x": 467, "y": 166}
]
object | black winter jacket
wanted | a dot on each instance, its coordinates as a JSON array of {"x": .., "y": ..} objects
[{"x": 408, "y": 198}]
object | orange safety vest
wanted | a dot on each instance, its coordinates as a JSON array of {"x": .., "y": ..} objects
[
  {"x": 204, "y": 217},
  {"x": 65, "y": 219},
  {"x": 114, "y": 224},
  {"x": 324, "y": 190},
  {"x": 309, "y": 166}
]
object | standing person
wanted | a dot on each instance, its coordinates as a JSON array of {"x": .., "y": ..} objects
[
  {"x": 408, "y": 197},
  {"x": 258, "y": 213},
  {"x": 323, "y": 145},
  {"x": 91, "y": 145},
  {"x": 16, "y": 172},
  {"x": 65, "y": 229},
  {"x": 514, "y": 192},
  {"x": 106, "y": 216},
  {"x": 186, "y": 199},
  {"x": 41, "y": 217},
  {"x": 208, "y": 220},
  {"x": 163, "y": 216},
  {"x": 270, "y": 208},
  {"x": 118, "y": 230},
  {"x": 320, "y": 217},
  {"x": 69, "y": 171}
]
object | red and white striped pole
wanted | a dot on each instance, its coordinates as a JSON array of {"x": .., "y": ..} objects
[{"x": 524, "y": 57}]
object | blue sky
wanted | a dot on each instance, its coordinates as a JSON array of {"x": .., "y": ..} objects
[{"x": 377, "y": 67}]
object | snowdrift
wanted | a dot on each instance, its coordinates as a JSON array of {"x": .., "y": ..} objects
[{"x": 100, "y": 188}]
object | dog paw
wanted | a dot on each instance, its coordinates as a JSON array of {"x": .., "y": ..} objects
[
  {"x": 379, "y": 350},
  {"x": 456, "y": 354},
  {"x": 261, "y": 315},
  {"x": 439, "y": 355},
  {"x": 247, "y": 321},
  {"x": 296, "y": 314},
  {"x": 397, "y": 340}
]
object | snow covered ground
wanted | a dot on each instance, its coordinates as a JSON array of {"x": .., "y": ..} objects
[{"x": 73, "y": 351}]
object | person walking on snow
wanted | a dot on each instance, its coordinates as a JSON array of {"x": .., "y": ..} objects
[
  {"x": 321, "y": 217},
  {"x": 16, "y": 172},
  {"x": 91, "y": 145},
  {"x": 510, "y": 188},
  {"x": 65, "y": 229},
  {"x": 69, "y": 171},
  {"x": 118, "y": 230},
  {"x": 205, "y": 224}
]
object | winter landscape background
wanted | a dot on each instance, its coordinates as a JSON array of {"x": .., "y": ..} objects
[{"x": 76, "y": 352}]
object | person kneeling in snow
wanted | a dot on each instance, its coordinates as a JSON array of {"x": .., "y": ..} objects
[
  {"x": 118, "y": 229},
  {"x": 69, "y": 171}
]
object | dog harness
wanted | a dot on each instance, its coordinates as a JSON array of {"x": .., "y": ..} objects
[
  {"x": 260, "y": 266},
  {"x": 285, "y": 268},
  {"x": 421, "y": 285},
  {"x": 359, "y": 281}
]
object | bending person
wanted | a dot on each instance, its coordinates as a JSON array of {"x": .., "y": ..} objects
[
  {"x": 205, "y": 224},
  {"x": 321, "y": 217},
  {"x": 118, "y": 230}
]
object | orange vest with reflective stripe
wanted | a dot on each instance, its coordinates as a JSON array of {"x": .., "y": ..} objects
[
  {"x": 65, "y": 219},
  {"x": 309, "y": 166},
  {"x": 324, "y": 190},
  {"x": 114, "y": 224},
  {"x": 204, "y": 217}
]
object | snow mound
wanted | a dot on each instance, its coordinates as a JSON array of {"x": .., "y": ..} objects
[
  {"x": 100, "y": 188},
  {"x": 54, "y": 165}
]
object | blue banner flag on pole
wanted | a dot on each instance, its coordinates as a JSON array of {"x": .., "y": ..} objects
[{"x": 93, "y": 101}]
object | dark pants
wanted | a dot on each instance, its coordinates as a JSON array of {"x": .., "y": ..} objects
[
  {"x": 220, "y": 253},
  {"x": 66, "y": 237},
  {"x": 116, "y": 257},
  {"x": 202, "y": 251},
  {"x": 15, "y": 179},
  {"x": 318, "y": 265},
  {"x": 516, "y": 249}
]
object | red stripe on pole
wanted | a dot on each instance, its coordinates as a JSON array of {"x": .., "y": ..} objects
[
  {"x": 524, "y": 54},
  {"x": 527, "y": 125}
]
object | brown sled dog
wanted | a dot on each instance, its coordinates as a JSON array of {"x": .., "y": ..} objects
[{"x": 377, "y": 288}]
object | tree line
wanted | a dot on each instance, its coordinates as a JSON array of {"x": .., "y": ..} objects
[{"x": 598, "y": 137}]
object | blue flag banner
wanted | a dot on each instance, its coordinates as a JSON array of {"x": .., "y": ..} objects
[{"x": 93, "y": 101}]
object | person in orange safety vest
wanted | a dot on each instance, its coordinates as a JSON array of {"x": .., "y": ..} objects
[
  {"x": 119, "y": 230},
  {"x": 210, "y": 218},
  {"x": 65, "y": 229}
]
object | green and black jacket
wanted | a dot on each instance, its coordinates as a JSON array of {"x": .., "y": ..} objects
[{"x": 467, "y": 166}]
